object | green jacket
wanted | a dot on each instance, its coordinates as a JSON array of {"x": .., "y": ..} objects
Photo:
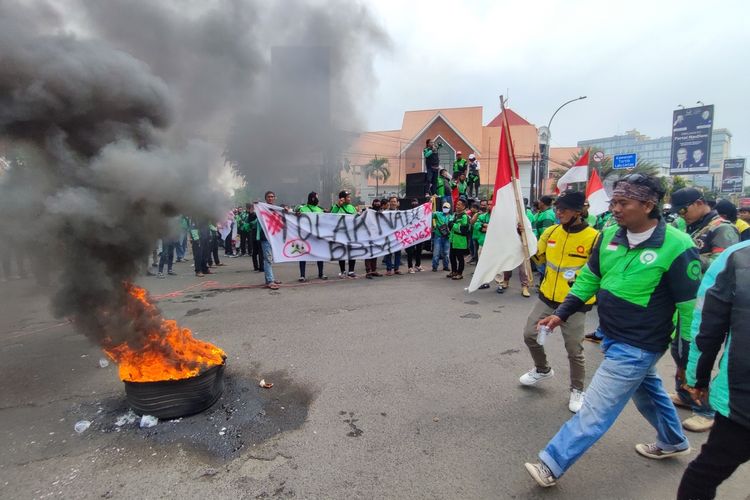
[
  {"x": 442, "y": 185},
  {"x": 460, "y": 232},
  {"x": 242, "y": 220},
  {"x": 459, "y": 165},
  {"x": 440, "y": 219},
  {"x": 543, "y": 220},
  {"x": 530, "y": 215},
  {"x": 680, "y": 224},
  {"x": 461, "y": 186},
  {"x": 637, "y": 289},
  {"x": 483, "y": 218},
  {"x": 309, "y": 208},
  {"x": 347, "y": 209}
]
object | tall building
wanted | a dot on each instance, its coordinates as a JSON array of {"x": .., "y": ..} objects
[{"x": 659, "y": 151}]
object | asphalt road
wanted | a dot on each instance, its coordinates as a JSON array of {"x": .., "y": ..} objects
[{"x": 399, "y": 387}]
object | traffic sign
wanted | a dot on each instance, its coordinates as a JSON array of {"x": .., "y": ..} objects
[
  {"x": 624, "y": 161},
  {"x": 598, "y": 156}
]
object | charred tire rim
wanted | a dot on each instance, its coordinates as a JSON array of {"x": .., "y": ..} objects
[{"x": 176, "y": 398}]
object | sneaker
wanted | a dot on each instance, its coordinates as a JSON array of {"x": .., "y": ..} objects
[
  {"x": 500, "y": 290},
  {"x": 450, "y": 275},
  {"x": 301, "y": 279},
  {"x": 591, "y": 337},
  {"x": 651, "y": 450},
  {"x": 533, "y": 376},
  {"x": 323, "y": 277},
  {"x": 411, "y": 270},
  {"x": 434, "y": 269},
  {"x": 458, "y": 277},
  {"x": 677, "y": 401},
  {"x": 397, "y": 272},
  {"x": 342, "y": 276},
  {"x": 199, "y": 275},
  {"x": 484, "y": 286},
  {"x": 576, "y": 400},
  {"x": 698, "y": 423},
  {"x": 351, "y": 274},
  {"x": 377, "y": 274},
  {"x": 445, "y": 269},
  {"x": 419, "y": 269},
  {"x": 525, "y": 291},
  {"x": 171, "y": 273},
  {"x": 160, "y": 275},
  {"x": 541, "y": 474}
]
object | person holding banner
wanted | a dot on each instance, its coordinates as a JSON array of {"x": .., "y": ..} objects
[
  {"x": 459, "y": 240},
  {"x": 371, "y": 265},
  {"x": 310, "y": 207},
  {"x": 392, "y": 260},
  {"x": 344, "y": 206},
  {"x": 267, "y": 250}
]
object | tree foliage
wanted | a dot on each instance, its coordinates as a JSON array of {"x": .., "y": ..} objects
[{"x": 377, "y": 169}]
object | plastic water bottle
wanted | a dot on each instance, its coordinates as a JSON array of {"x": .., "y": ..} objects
[{"x": 542, "y": 333}]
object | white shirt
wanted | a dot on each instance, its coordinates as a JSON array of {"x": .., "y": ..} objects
[{"x": 635, "y": 239}]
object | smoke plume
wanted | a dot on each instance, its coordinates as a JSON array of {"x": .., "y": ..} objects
[{"x": 120, "y": 115}]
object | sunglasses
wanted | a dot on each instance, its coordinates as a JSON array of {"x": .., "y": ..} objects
[{"x": 684, "y": 209}]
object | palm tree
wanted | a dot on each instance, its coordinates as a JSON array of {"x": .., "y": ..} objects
[
  {"x": 605, "y": 169},
  {"x": 377, "y": 168}
]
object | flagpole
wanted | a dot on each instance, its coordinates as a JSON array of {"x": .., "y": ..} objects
[{"x": 520, "y": 212}]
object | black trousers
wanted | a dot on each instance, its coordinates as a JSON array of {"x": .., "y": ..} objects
[
  {"x": 198, "y": 258},
  {"x": 245, "y": 245},
  {"x": 213, "y": 244},
  {"x": 458, "y": 260},
  {"x": 228, "y": 250},
  {"x": 342, "y": 265},
  {"x": 414, "y": 255},
  {"x": 257, "y": 253},
  {"x": 303, "y": 265},
  {"x": 727, "y": 448}
]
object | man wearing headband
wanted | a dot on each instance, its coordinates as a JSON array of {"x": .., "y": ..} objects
[{"x": 640, "y": 271}]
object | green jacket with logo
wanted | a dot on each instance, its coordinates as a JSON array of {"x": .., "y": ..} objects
[
  {"x": 459, "y": 166},
  {"x": 242, "y": 220},
  {"x": 460, "y": 232},
  {"x": 443, "y": 186},
  {"x": 638, "y": 289}
]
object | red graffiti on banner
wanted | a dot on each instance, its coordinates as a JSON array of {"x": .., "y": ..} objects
[
  {"x": 413, "y": 234},
  {"x": 274, "y": 221}
]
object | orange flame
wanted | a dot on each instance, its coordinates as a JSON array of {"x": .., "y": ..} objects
[{"x": 165, "y": 352}]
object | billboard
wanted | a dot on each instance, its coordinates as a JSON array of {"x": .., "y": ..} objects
[
  {"x": 691, "y": 140},
  {"x": 732, "y": 175}
]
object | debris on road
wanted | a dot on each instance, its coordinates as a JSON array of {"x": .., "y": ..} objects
[
  {"x": 148, "y": 421},
  {"x": 265, "y": 385},
  {"x": 81, "y": 426}
]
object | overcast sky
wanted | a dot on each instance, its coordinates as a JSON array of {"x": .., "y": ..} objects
[{"x": 636, "y": 61}]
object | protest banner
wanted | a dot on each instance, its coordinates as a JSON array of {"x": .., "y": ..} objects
[{"x": 311, "y": 236}]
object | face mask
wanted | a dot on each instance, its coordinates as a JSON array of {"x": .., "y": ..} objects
[
  {"x": 446, "y": 210},
  {"x": 376, "y": 207},
  {"x": 314, "y": 202}
]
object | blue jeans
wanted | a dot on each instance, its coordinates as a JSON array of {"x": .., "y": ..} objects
[
  {"x": 440, "y": 249},
  {"x": 680, "y": 349},
  {"x": 267, "y": 261},
  {"x": 625, "y": 372},
  {"x": 181, "y": 245},
  {"x": 392, "y": 262}
]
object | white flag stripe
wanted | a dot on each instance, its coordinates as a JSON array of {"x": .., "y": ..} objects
[
  {"x": 502, "y": 249},
  {"x": 598, "y": 202},
  {"x": 578, "y": 173}
]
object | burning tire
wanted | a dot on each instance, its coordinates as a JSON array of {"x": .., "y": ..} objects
[{"x": 176, "y": 398}]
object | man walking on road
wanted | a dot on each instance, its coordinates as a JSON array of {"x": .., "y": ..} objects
[
  {"x": 640, "y": 272},
  {"x": 721, "y": 320},
  {"x": 712, "y": 235}
]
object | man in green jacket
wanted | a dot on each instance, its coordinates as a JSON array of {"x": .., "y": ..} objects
[
  {"x": 479, "y": 222},
  {"x": 545, "y": 217},
  {"x": 459, "y": 166},
  {"x": 310, "y": 207},
  {"x": 459, "y": 240},
  {"x": 640, "y": 272},
  {"x": 345, "y": 207}
]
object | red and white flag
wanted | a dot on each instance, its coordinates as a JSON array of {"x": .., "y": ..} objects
[
  {"x": 577, "y": 173},
  {"x": 596, "y": 195},
  {"x": 503, "y": 248}
]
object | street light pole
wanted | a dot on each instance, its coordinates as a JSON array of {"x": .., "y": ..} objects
[{"x": 545, "y": 135}]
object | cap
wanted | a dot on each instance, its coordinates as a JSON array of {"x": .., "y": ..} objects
[
  {"x": 743, "y": 209},
  {"x": 684, "y": 197},
  {"x": 446, "y": 205},
  {"x": 459, "y": 153},
  {"x": 344, "y": 194},
  {"x": 571, "y": 199},
  {"x": 472, "y": 157},
  {"x": 727, "y": 210}
]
